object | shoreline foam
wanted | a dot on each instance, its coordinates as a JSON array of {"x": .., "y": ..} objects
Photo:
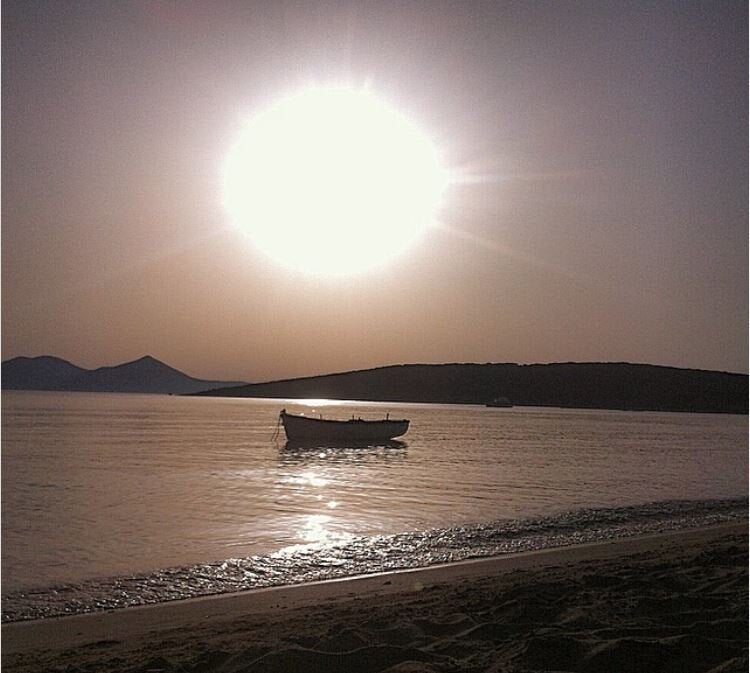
[
  {"x": 366, "y": 555},
  {"x": 671, "y": 590}
]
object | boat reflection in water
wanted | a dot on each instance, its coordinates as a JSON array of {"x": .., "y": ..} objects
[{"x": 343, "y": 452}]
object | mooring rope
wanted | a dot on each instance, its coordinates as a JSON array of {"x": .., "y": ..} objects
[{"x": 278, "y": 426}]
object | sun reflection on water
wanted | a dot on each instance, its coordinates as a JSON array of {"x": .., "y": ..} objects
[
  {"x": 314, "y": 528},
  {"x": 318, "y": 530},
  {"x": 313, "y": 479},
  {"x": 317, "y": 402}
]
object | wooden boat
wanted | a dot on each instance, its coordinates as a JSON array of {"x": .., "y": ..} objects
[{"x": 303, "y": 428}]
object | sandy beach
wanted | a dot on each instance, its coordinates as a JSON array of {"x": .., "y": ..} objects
[{"x": 670, "y": 602}]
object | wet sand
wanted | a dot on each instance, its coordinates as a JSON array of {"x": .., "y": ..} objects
[{"x": 671, "y": 602}]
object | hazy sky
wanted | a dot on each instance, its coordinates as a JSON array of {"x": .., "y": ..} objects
[{"x": 601, "y": 213}]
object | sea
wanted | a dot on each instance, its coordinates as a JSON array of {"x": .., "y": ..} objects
[{"x": 115, "y": 500}]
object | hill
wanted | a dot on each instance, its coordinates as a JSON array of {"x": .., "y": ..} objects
[
  {"x": 578, "y": 385},
  {"x": 145, "y": 375}
]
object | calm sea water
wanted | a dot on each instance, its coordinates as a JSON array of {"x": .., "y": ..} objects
[{"x": 112, "y": 500}]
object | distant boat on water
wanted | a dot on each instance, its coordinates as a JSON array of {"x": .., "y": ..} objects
[
  {"x": 303, "y": 428},
  {"x": 500, "y": 402}
]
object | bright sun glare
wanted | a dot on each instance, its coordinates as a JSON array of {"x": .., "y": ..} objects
[{"x": 332, "y": 181}]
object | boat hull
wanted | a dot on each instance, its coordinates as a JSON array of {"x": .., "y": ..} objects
[{"x": 301, "y": 428}]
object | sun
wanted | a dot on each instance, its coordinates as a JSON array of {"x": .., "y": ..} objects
[{"x": 333, "y": 181}]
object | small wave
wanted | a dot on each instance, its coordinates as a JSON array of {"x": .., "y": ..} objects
[{"x": 364, "y": 555}]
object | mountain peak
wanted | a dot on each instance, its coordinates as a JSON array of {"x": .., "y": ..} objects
[
  {"x": 147, "y": 360},
  {"x": 144, "y": 375}
]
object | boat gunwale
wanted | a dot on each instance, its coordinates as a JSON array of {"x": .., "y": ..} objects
[{"x": 285, "y": 414}]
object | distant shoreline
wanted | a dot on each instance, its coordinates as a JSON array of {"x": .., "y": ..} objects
[
  {"x": 570, "y": 385},
  {"x": 610, "y": 386},
  {"x": 379, "y": 401}
]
